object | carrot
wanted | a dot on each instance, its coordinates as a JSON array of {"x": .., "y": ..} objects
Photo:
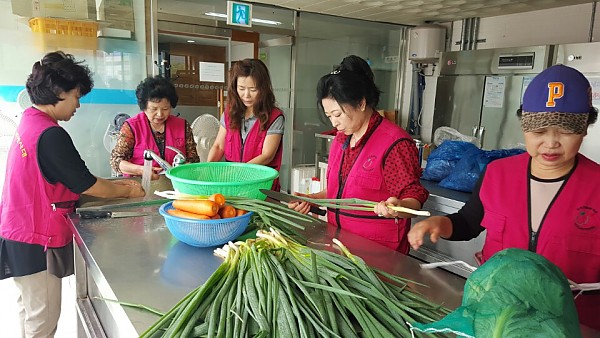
[
  {"x": 240, "y": 212},
  {"x": 185, "y": 214},
  {"x": 218, "y": 198},
  {"x": 217, "y": 216},
  {"x": 227, "y": 211},
  {"x": 202, "y": 207}
]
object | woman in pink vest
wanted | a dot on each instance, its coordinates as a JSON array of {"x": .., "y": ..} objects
[
  {"x": 370, "y": 158},
  {"x": 252, "y": 126},
  {"x": 546, "y": 200},
  {"x": 44, "y": 178},
  {"x": 153, "y": 128}
]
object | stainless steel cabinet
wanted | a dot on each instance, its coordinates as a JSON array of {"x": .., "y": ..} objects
[
  {"x": 458, "y": 102},
  {"x": 479, "y": 91}
]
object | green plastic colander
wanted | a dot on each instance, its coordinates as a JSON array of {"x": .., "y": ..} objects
[{"x": 227, "y": 178}]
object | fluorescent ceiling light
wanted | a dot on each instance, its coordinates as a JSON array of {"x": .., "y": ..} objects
[
  {"x": 221, "y": 15},
  {"x": 191, "y": 41},
  {"x": 218, "y": 15},
  {"x": 267, "y": 22}
]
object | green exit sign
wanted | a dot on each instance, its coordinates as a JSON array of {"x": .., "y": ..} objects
[{"x": 239, "y": 14}]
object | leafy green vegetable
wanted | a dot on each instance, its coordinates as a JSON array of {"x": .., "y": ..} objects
[{"x": 516, "y": 293}]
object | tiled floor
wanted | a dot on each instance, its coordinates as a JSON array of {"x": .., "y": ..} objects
[{"x": 9, "y": 318}]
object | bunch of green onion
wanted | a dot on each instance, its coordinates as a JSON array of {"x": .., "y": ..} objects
[
  {"x": 273, "y": 215},
  {"x": 274, "y": 287}
]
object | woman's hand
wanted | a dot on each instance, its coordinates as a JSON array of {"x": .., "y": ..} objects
[
  {"x": 129, "y": 168},
  {"x": 300, "y": 206},
  {"x": 435, "y": 226},
  {"x": 155, "y": 173},
  {"x": 135, "y": 188},
  {"x": 104, "y": 188},
  {"x": 382, "y": 210}
]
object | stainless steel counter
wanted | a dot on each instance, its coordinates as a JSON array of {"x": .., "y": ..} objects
[
  {"x": 442, "y": 202},
  {"x": 137, "y": 260}
]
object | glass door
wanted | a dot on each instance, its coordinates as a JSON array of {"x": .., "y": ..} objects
[
  {"x": 270, "y": 39},
  {"x": 183, "y": 58}
]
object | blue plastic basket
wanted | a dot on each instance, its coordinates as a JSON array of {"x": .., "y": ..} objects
[{"x": 204, "y": 233}]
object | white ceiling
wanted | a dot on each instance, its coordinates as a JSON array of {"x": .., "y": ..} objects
[{"x": 414, "y": 12}]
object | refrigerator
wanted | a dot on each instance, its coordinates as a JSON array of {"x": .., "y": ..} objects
[
  {"x": 585, "y": 57},
  {"x": 479, "y": 91}
]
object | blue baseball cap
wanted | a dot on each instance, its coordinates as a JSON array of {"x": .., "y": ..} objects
[
  {"x": 558, "y": 89},
  {"x": 560, "y": 96}
]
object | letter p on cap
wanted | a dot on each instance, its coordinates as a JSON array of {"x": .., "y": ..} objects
[{"x": 555, "y": 91}]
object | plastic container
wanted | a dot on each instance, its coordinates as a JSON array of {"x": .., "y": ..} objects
[
  {"x": 227, "y": 178},
  {"x": 301, "y": 175},
  {"x": 61, "y": 33},
  {"x": 64, "y": 27},
  {"x": 315, "y": 185},
  {"x": 204, "y": 233}
]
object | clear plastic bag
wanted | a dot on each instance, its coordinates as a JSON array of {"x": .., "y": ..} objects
[{"x": 450, "y": 134}]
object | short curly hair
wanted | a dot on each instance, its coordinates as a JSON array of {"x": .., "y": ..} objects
[
  {"x": 57, "y": 73},
  {"x": 155, "y": 89}
]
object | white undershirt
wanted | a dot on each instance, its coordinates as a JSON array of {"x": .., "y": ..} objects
[{"x": 542, "y": 192}]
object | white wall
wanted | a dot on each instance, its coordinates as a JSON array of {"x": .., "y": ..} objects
[
  {"x": 240, "y": 51},
  {"x": 570, "y": 24}
]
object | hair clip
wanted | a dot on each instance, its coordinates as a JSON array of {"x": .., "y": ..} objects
[{"x": 335, "y": 71}]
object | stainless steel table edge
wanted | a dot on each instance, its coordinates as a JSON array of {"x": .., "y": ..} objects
[
  {"x": 444, "y": 288},
  {"x": 86, "y": 303}
]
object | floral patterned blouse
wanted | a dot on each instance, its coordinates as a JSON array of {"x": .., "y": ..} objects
[{"x": 124, "y": 148}]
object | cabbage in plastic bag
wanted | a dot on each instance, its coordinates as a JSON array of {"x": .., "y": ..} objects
[
  {"x": 443, "y": 134},
  {"x": 516, "y": 293}
]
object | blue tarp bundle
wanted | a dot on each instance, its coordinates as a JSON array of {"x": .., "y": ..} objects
[{"x": 457, "y": 165}]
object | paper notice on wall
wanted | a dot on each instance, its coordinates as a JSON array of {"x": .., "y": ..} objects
[
  {"x": 493, "y": 96},
  {"x": 212, "y": 72},
  {"x": 595, "y": 83},
  {"x": 526, "y": 82}
]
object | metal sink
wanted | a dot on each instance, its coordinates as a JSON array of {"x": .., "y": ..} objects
[{"x": 162, "y": 184}]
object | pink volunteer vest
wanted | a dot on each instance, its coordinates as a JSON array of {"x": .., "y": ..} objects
[
  {"x": 235, "y": 151},
  {"x": 144, "y": 138},
  {"x": 365, "y": 181},
  {"x": 32, "y": 210},
  {"x": 569, "y": 235}
]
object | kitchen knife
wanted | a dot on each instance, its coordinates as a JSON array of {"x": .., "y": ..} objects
[
  {"x": 93, "y": 214},
  {"x": 123, "y": 203},
  {"x": 279, "y": 196}
]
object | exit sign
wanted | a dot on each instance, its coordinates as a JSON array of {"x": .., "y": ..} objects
[{"x": 239, "y": 14}]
